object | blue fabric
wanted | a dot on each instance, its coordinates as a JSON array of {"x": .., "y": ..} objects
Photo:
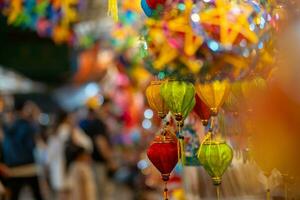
[
  {"x": 19, "y": 143},
  {"x": 147, "y": 10}
]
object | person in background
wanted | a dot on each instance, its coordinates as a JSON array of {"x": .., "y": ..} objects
[
  {"x": 65, "y": 139},
  {"x": 18, "y": 146},
  {"x": 102, "y": 154}
]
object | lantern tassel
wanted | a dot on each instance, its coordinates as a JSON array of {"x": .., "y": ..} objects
[
  {"x": 286, "y": 190},
  {"x": 166, "y": 191},
  {"x": 181, "y": 146},
  {"x": 268, "y": 194},
  {"x": 218, "y": 192},
  {"x": 113, "y": 9}
]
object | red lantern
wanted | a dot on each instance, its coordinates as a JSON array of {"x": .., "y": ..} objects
[
  {"x": 163, "y": 153},
  {"x": 153, "y": 4},
  {"x": 202, "y": 110}
]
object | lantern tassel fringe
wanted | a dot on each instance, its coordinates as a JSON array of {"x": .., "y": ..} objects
[
  {"x": 268, "y": 194},
  {"x": 166, "y": 191},
  {"x": 113, "y": 9},
  {"x": 218, "y": 192}
]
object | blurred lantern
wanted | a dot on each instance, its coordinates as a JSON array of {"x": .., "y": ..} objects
[
  {"x": 254, "y": 85},
  {"x": 191, "y": 146},
  {"x": 215, "y": 156},
  {"x": 180, "y": 98},
  {"x": 232, "y": 102},
  {"x": 155, "y": 100},
  {"x": 202, "y": 110},
  {"x": 163, "y": 153},
  {"x": 213, "y": 94},
  {"x": 150, "y": 6}
]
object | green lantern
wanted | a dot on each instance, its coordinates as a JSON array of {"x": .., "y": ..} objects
[
  {"x": 215, "y": 156},
  {"x": 179, "y": 97}
]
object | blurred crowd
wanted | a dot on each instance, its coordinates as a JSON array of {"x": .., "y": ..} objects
[{"x": 71, "y": 158}]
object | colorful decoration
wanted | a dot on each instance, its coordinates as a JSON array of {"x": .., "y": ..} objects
[
  {"x": 49, "y": 18},
  {"x": 180, "y": 98},
  {"x": 171, "y": 43},
  {"x": 215, "y": 156},
  {"x": 202, "y": 110},
  {"x": 230, "y": 25},
  {"x": 155, "y": 100},
  {"x": 163, "y": 153},
  {"x": 213, "y": 94}
]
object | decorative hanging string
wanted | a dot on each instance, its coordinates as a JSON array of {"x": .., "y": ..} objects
[
  {"x": 268, "y": 194},
  {"x": 181, "y": 143},
  {"x": 166, "y": 191},
  {"x": 113, "y": 9},
  {"x": 218, "y": 192},
  {"x": 286, "y": 190}
]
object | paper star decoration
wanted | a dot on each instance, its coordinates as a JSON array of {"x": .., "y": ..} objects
[
  {"x": 232, "y": 20},
  {"x": 172, "y": 38}
]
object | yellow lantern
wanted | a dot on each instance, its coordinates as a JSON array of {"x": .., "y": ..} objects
[
  {"x": 213, "y": 94},
  {"x": 155, "y": 100}
]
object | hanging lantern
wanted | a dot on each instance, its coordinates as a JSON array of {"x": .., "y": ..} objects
[
  {"x": 155, "y": 100},
  {"x": 192, "y": 144},
  {"x": 213, "y": 94},
  {"x": 163, "y": 153},
  {"x": 179, "y": 97},
  {"x": 202, "y": 110},
  {"x": 233, "y": 101},
  {"x": 215, "y": 156}
]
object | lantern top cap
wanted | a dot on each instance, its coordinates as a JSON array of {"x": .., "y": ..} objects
[
  {"x": 157, "y": 82},
  {"x": 214, "y": 142}
]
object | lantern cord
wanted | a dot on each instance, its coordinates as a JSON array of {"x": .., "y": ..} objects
[
  {"x": 166, "y": 191},
  {"x": 286, "y": 190},
  {"x": 181, "y": 145},
  {"x": 268, "y": 194},
  {"x": 207, "y": 137},
  {"x": 218, "y": 192}
]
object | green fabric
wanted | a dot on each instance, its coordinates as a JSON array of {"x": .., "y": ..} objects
[
  {"x": 215, "y": 158},
  {"x": 179, "y": 96}
]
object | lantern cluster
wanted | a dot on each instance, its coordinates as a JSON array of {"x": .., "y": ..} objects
[{"x": 180, "y": 98}]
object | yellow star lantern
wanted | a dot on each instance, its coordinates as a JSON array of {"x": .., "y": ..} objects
[
  {"x": 173, "y": 41},
  {"x": 228, "y": 23},
  {"x": 14, "y": 10}
]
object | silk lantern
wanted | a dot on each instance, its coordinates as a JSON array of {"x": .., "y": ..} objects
[
  {"x": 155, "y": 100},
  {"x": 213, "y": 94},
  {"x": 215, "y": 156},
  {"x": 163, "y": 153},
  {"x": 180, "y": 99},
  {"x": 202, "y": 110}
]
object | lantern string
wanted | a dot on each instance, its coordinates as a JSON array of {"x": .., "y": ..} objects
[
  {"x": 207, "y": 137},
  {"x": 218, "y": 192},
  {"x": 268, "y": 194},
  {"x": 181, "y": 144},
  {"x": 286, "y": 190},
  {"x": 166, "y": 191}
]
